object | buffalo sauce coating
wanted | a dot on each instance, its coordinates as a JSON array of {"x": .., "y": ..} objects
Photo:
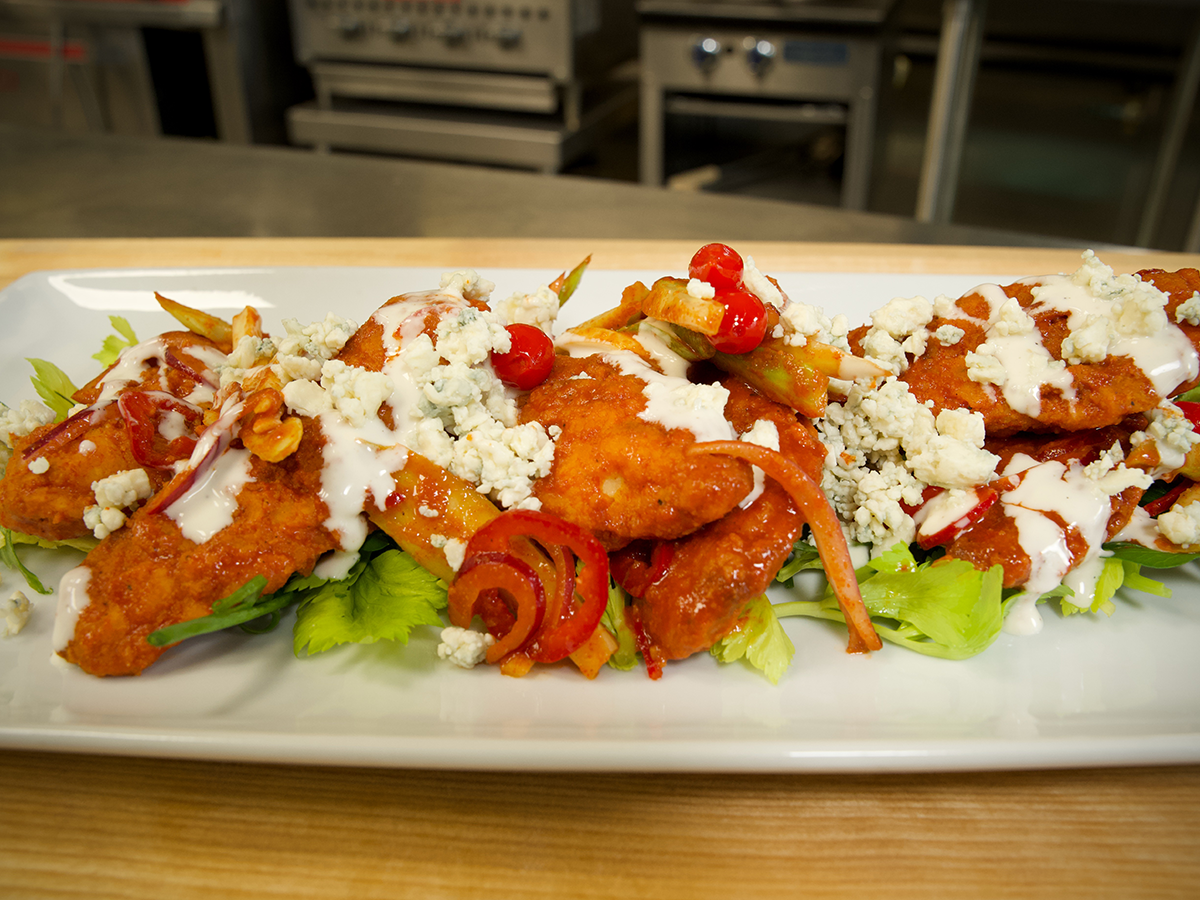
[
  {"x": 997, "y": 537},
  {"x": 615, "y": 473},
  {"x": 1082, "y": 396},
  {"x": 716, "y": 571},
  {"x": 147, "y": 575},
  {"x": 50, "y": 505}
]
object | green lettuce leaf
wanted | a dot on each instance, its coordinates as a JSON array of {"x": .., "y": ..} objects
[
  {"x": 945, "y": 608},
  {"x": 53, "y": 386},
  {"x": 625, "y": 657},
  {"x": 83, "y": 544},
  {"x": 804, "y": 557},
  {"x": 241, "y": 607},
  {"x": 383, "y": 598},
  {"x": 115, "y": 343},
  {"x": 1111, "y": 577},
  {"x": 8, "y": 556},
  {"x": 1147, "y": 556},
  {"x": 759, "y": 639}
]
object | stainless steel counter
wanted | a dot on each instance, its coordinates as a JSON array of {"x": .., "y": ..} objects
[{"x": 56, "y": 185}]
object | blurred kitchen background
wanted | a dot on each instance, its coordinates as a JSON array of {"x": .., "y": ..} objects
[{"x": 1061, "y": 118}]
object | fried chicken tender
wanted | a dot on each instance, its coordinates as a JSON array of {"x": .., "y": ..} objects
[
  {"x": 716, "y": 571},
  {"x": 619, "y": 476},
  {"x": 51, "y": 504},
  {"x": 147, "y": 575},
  {"x": 1106, "y": 392}
]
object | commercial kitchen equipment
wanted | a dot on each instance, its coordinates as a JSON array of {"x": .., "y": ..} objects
[
  {"x": 783, "y": 62},
  {"x": 521, "y": 83}
]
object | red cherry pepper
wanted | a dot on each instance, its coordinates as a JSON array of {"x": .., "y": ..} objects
[
  {"x": 744, "y": 324},
  {"x": 718, "y": 265},
  {"x": 528, "y": 361}
]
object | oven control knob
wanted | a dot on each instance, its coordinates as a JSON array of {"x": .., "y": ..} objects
[
  {"x": 349, "y": 26},
  {"x": 453, "y": 35},
  {"x": 400, "y": 30},
  {"x": 508, "y": 37},
  {"x": 759, "y": 55},
  {"x": 706, "y": 52}
]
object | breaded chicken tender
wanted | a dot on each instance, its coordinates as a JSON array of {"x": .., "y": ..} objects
[
  {"x": 1064, "y": 388},
  {"x": 147, "y": 575},
  {"x": 715, "y": 572},
  {"x": 49, "y": 500},
  {"x": 620, "y": 476}
]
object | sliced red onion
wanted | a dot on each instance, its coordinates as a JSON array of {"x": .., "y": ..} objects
[
  {"x": 215, "y": 440},
  {"x": 63, "y": 431}
]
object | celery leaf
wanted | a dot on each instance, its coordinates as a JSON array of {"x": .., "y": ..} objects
[
  {"x": 759, "y": 639},
  {"x": 115, "y": 343},
  {"x": 804, "y": 557},
  {"x": 383, "y": 598},
  {"x": 625, "y": 656},
  {"x": 53, "y": 386},
  {"x": 945, "y": 608}
]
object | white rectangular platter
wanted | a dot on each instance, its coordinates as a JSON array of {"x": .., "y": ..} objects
[{"x": 1087, "y": 691}]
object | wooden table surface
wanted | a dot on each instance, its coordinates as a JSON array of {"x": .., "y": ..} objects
[{"x": 90, "y": 826}]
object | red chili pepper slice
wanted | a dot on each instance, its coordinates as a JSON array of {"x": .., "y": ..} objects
[
  {"x": 985, "y": 499},
  {"x": 1166, "y": 501},
  {"x": 641, "y": 564},
  {"x": 650, "y": 654},
  {"x": 1191, "y": 409},
  {"x": 561, "y": 635},
  {"x": 142, "y": 411},
  {"x": 64, "y": 432},
  {"x": 490, "y": 573}
]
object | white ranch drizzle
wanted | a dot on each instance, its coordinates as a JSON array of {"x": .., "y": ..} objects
[
  {"x": 131, "y": 364},
  {"x": 354, "y": 470},
  {"x": 675, "y": 402},
  {"x": 73, "y": 599},
  {"x": 1165, "y": 355},
  {"x": 1050, "y": 487},
  {"x": 209, "y": 505},
  {"x": 671, "y": 400},
  {"x": 1142, "y": 528},
  {"x": 650, "y": 337}
]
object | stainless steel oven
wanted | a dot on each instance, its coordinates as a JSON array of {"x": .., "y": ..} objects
[
  {"x": 523, "y": 83},
  {"x": 771, "y": 68}
]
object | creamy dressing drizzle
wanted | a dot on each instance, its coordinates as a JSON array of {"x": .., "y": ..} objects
[
  {"x": 129, "y": 368},
  {"x": 650, "y": 337},
  {"x": 210, "y": 503},
  {"x": 132, "y": 364},
  {"x": 675, "y": 402},
  {"x": 1167, "y": 357},
  {"x": 353, "y": 471},
  {"x": 1141, "y": 528},
  {"x": 1051, "y": 487},
  {"x": 73, "y": 599}
]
